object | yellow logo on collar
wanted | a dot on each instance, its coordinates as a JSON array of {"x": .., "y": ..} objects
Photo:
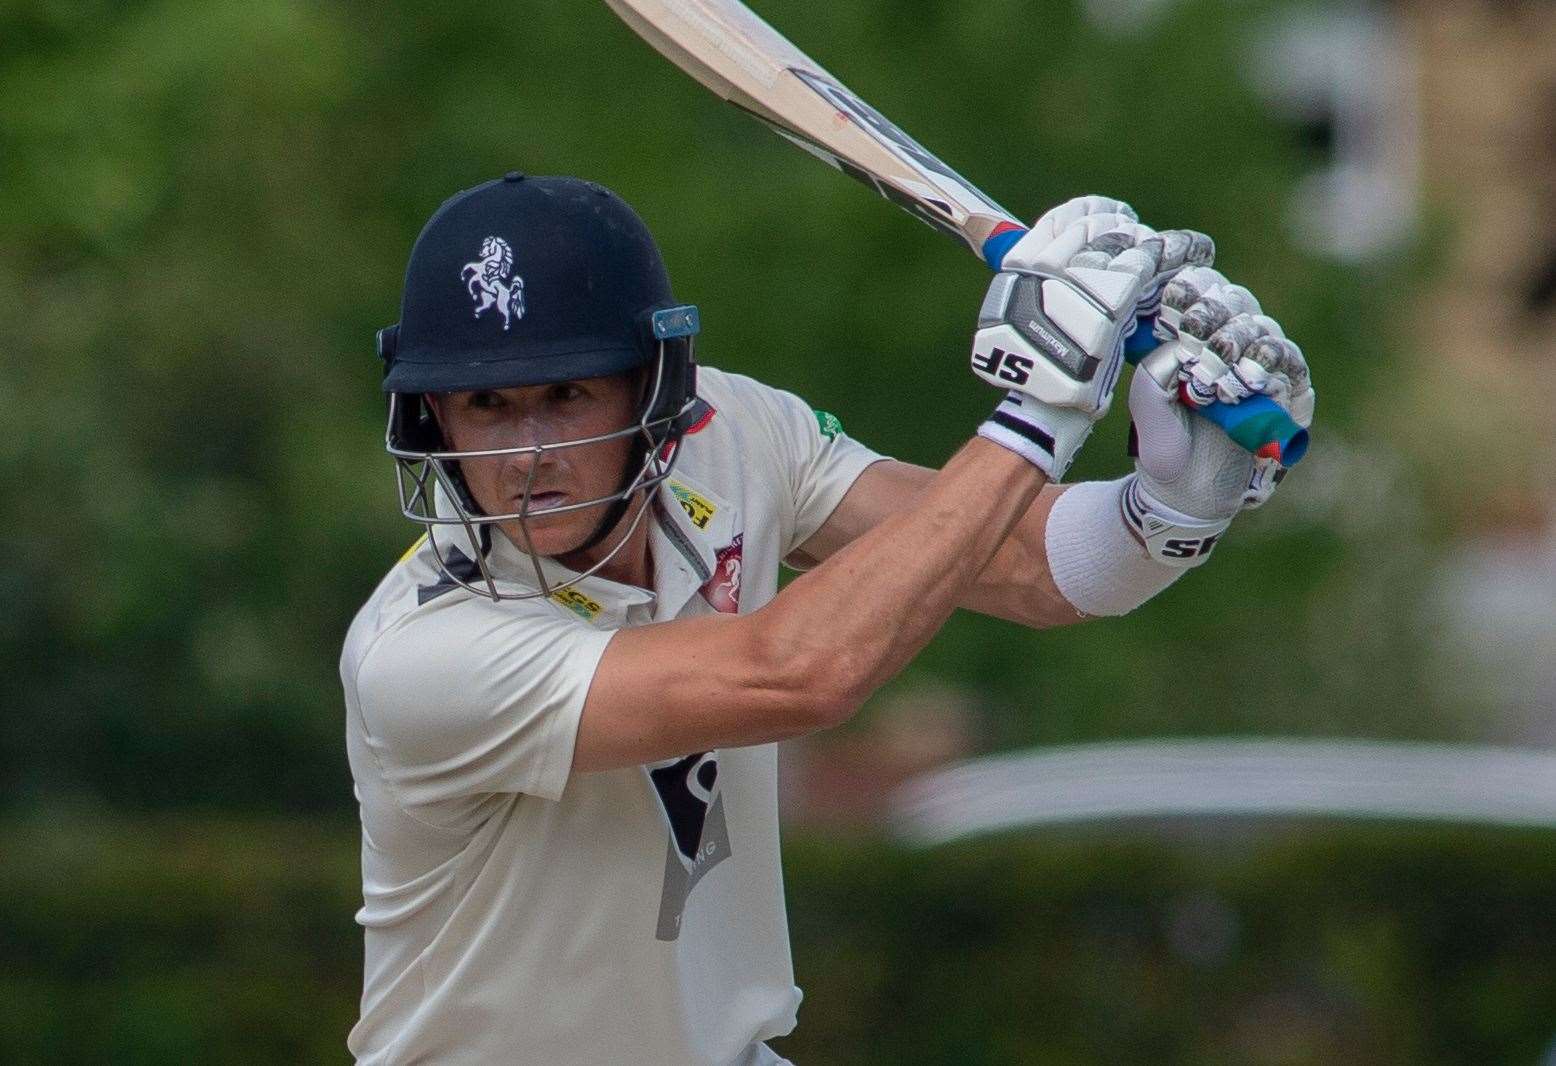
[
  {"x": 578, "y": 603},
  {"x": 697, "y": 507}
]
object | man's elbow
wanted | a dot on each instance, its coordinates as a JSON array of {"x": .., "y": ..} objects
[
  {"x": 825, "y": 687},
  {"x": 847, "y": 680},
  {"x": 815, "y": 687},
  {"x": 831, "y": 703}
]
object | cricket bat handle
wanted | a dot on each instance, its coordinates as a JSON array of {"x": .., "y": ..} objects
[{"x": 1258, "y": 424}]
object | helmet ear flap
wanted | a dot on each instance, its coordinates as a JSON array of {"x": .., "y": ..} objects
[
  {"x": 678, "y": 381},
  {"x": 411, "y": 425}
]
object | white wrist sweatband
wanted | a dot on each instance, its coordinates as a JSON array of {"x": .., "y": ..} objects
[{"x": 1095, "y": 560}]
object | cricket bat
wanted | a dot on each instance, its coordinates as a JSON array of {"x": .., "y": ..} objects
[{"x": 737, "y": 56}]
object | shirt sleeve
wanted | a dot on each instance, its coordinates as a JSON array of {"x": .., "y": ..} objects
[
  {"x": 817, "y": 461},
  {"x": 470, "y": 699}
]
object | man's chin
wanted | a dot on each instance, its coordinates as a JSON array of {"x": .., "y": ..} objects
[
  {"x": 551, "y": 538},
  {"x": 567, "y": 537}
]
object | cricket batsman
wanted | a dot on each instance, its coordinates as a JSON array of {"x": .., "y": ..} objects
[{"x": 563, "y": 702}]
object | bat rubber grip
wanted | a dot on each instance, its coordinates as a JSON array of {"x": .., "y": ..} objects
[
  {"x": 1258, "y": 423},
  {"x": 1262, "y": 426},
  {"x": 1004, "y": 237}
]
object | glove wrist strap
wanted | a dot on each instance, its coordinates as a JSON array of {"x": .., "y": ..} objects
[
  {"x": 1047, "y": 437},
  {"x": 1168, "y": 536}
]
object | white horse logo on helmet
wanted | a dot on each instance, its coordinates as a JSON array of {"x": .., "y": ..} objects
[{"x": 487, "y": 280}]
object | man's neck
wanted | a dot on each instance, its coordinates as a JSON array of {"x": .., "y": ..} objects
[{"x": 633, "y": 564}]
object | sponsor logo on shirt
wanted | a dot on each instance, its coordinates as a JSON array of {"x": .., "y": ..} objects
[
  {"x": 828, "y": 423},
  {"x": 697, "y": 506},
  {"x": 722, "y": 590},
  {"x": 578, "y": 603}
]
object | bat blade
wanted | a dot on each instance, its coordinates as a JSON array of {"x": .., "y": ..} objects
[{"x": 732, "y": 52}]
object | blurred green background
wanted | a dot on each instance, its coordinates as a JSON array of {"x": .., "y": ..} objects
[{"x": 205, "y": 209}]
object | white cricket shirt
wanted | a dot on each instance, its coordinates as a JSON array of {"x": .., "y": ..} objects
[{"x": 517, "y": 913}]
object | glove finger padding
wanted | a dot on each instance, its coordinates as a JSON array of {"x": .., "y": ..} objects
[
  {"x": 1190, "y": 285},
  {"x": 1039, "y": 253},
  {"x": 1238, "y": 334},
  {"x": 1193, "y": 286},
  {"x": 1290, "y": 383},
  {"x": 1060, "y": 218},
  {"x": 1252, "y": 356},
  {"x": 1186, "y": 248},
  {"x": 1155, "y": 256},
  {"x": 1215, "y": 309},
  {"x": 1280, "y": 355}
]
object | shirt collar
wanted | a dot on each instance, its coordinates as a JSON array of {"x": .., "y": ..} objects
[{"x": 692, "y": 524}]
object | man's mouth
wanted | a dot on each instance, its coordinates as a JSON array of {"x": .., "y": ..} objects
[{"x": 539, "y": 501}]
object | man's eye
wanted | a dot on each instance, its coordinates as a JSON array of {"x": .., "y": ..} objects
[
  {"x": 485, "y": 400},
  {"x": 566, "y": 391}
]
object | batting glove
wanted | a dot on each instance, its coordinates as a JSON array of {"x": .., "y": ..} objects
[
  {"x": 1055, "y": 323},
  {"x": 1190, "y": 478}
]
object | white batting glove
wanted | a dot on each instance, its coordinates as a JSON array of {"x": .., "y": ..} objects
[
  {"x": 1054, "y": 323},
  {"x": 1191, "y": 479}
]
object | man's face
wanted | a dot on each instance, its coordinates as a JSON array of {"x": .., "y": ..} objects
[{"x": 542, "y": 414}]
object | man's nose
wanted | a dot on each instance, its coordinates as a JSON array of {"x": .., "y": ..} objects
[
  {"x": 534, "y": 453},
  {"x": 521, "y": 463}
]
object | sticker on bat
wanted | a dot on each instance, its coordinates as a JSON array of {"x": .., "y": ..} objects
[
  {"x": 906, "y": 201},
  {"x": 891, "y": 135}
]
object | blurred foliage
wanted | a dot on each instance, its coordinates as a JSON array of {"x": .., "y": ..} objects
[
  {"x": 205, "y": 207},
  {"x": 187, "y": 940}
]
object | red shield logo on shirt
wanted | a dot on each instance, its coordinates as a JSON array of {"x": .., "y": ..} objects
[{"x": 723, "y": 588}]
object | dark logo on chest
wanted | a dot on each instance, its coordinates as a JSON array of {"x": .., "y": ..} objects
[{"x": 689, "y": 795}]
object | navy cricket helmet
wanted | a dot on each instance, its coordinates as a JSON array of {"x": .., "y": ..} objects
[{"x": 530, "y": 281}]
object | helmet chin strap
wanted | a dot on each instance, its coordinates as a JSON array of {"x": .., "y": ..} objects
[
  {"x": 618, "y": 508},
  {"x": 637, "y": 459}
]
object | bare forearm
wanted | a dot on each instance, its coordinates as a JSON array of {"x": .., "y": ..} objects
[
  {"x": 1017, "y": 584},
  {"x": 876, "y": 602},
  {"x": 1069, "y": 558}
]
